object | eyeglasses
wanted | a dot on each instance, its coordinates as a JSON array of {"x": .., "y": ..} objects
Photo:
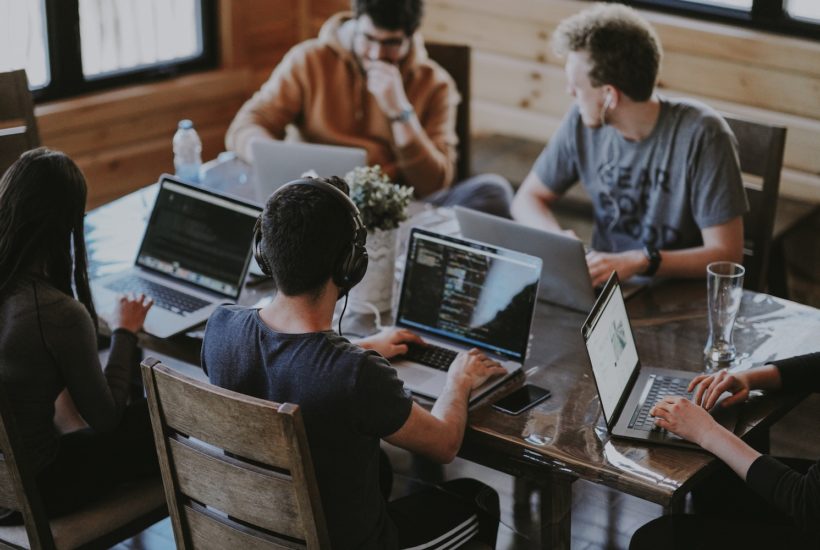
[{"x": 388, "y": 44}]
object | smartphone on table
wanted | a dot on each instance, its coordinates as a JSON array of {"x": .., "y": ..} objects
[{"x": 525, "y": 397}]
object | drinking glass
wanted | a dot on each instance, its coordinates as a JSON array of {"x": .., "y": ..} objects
[{"x": 724, "y": 283}]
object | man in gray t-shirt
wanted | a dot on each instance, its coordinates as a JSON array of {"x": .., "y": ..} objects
[{"x": 663, "y": 174}]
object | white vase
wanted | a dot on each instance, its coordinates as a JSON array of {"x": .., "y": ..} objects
[{"x": 376, "y": 289}]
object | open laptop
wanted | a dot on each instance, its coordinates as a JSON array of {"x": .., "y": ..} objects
[
  {"x": 627, "y": 390},
  {"x": 564, "y": 278},
  {"x": 275, "y": 163},
  {"x": 193, "y": 257},
  {"x": 460, "y": 294}
]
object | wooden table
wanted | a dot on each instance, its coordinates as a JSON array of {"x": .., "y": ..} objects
[{"x": 564, "y": 438}]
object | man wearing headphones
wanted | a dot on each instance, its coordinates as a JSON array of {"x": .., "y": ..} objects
[
  {"x": 310, "y": 239},
  {"x": 662, "y": 173}
]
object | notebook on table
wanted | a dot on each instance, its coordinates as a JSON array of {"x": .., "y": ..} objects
[
  {"x": 628, "y": 390},
  {"x": 194, "y": 256},
  {"x": 459, "y": 294}
]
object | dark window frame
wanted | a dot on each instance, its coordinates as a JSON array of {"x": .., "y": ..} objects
[
  {"x": 65, "y": 56},
  {"x": 766, "y": 15}
]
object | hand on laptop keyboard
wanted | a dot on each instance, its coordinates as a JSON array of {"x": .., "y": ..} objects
[
  {"x": 682, "y": 417},
  {"x": 474, "y": 368},
  {"x": 130, "y": 311},
  {"x": 391, "y": 342}
]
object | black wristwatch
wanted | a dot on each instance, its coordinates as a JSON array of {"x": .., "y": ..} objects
[{"x": 654, "y": 256}]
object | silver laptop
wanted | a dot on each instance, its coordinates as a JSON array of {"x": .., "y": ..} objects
[
  {"x": 627, "y": 390},
  {"x": 460, "y": 294},
  {"x": 277, "y": 162},
  {"x": 194, "y": 256},
  {"x": 564, "y": 278}
]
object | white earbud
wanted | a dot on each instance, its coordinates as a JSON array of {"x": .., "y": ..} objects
[{"x": 605, "y": 108}]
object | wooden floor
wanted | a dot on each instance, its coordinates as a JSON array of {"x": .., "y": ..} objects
[{"x": 601, "y": 518}]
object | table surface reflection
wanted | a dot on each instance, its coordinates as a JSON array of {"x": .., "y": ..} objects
[{"x": 566, "y": 433}]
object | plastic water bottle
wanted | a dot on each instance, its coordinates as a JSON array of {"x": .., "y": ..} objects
[{"x": 187, "y": 151}]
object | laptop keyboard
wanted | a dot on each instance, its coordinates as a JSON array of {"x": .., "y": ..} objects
[
  {"x": 660, "y": 388},
  {"x": 430, "y": 355},
  {"x": 164, "y": 297}
]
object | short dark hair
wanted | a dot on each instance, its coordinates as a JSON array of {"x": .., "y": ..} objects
[
  {"x": 391, "y": 15},
  {"x": 305, "y": 233},
  {"x": 42, "y": 207},
  {"x": 623, "y": 48}
]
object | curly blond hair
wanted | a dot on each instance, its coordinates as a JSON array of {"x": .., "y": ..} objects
[{"x": 623, "y": 48}]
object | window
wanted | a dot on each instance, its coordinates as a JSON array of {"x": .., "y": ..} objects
[
  {"x": 70, "y": 47},
  {"x": 808, "y": 10},
  {"x": 23, "y": 40},
  {"x": 796, "y": 17}
]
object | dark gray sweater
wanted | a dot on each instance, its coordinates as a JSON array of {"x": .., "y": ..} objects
[{"x": 48, "y": 343}]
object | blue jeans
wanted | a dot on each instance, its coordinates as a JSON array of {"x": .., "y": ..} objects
[{"x": 489, "y": 193}]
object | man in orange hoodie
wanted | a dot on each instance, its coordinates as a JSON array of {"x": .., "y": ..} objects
[{"x": 366, "y": 81}]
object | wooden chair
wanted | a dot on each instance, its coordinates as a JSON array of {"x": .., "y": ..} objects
[
  {"x": 117, "y": 517},
  {"x": 18, "y": 127},
  {"x": 237, "y": 469},
  {"x": 455, "y": 59},
  {"x": 760, "y": 147}
]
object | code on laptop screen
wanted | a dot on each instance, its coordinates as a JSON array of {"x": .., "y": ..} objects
[
  {"x": 476, "y": 294},
  {"x": 199, "y": 238}
]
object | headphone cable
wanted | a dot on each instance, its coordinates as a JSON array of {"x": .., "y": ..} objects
[{"x": 344, "y": 308}]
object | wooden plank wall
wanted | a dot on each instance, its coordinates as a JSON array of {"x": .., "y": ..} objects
[
  {"x": 518, "y": 84},
  {"x": 121, "y": 139}
]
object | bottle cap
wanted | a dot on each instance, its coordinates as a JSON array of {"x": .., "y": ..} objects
[{"x": 185, "y": 124}]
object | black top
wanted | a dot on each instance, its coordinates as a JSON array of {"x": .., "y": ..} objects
[
  {"x": 795, "y": 494},
  {"x": 48, "y": 343},
  {"x": 349, "y": 398}
]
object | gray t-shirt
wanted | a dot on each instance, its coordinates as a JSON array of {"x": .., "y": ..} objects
[{"x": 661, "y": 191}]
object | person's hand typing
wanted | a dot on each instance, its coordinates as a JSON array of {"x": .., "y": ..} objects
[
  {"x": 711, "y": 386},
  {"x": 602, "y": 264},
  {"x": 473, "y": 368},
  {"x": 390, "y": 342},
  {"x": 683, "y": 418},
  {"x": 129, "y": 312}
]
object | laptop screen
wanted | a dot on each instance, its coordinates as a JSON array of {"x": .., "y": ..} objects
[
  {"x": 199, "y": 238},
  {"x": 611, "y": 347},
  {"x": 472, "y": 293}
]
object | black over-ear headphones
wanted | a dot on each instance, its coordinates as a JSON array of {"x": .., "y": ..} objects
[{"x": 352, "y": 266}]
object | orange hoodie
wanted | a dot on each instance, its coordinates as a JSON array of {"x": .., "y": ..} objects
[{"x": 321, "y": 89}]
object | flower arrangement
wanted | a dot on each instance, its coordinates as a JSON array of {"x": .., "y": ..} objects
[{"x": 382, "y": 203}]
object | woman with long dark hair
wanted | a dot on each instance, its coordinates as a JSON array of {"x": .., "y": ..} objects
[{"x": 48, "y": 341}]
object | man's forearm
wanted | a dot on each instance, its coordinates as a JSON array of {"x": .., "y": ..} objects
[
  {"x": 422, "y": 165},
  {"x": 692, "y": 262},
  {"x": 534, "y": 213},
  {"x": 451, "y": 409}
]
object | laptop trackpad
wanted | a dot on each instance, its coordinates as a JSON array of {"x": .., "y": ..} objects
[{"x": 415, "y": 377}]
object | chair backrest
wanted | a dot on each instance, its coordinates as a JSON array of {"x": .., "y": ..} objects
[
  {"x": 760, "y": 147},
  {"x": 18, "y": 486},
  {"x": 18, "y": 127},
  {"x": 455, "y": 59},
  {"x": 237, "y": 470}
]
